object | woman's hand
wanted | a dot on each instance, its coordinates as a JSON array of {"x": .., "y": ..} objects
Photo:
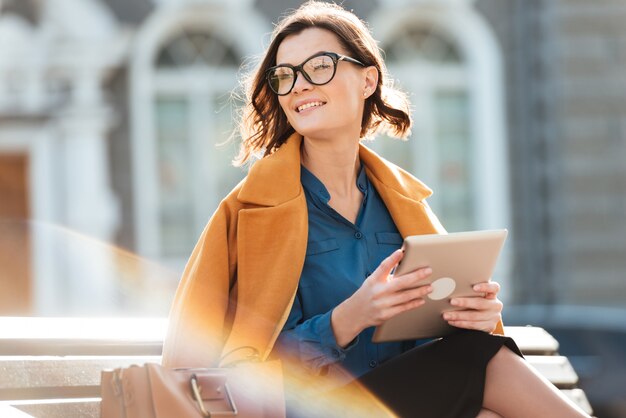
[
  {"x": 380, "y": 297},
  {"x": 480, "y": 313}
]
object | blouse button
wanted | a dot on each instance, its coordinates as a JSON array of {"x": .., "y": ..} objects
[
  {"x": 358, "y": 235},
  {"x": 373, "y": 364}
]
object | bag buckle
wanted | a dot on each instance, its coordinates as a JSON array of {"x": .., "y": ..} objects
[{"x": 197, "y": 393}]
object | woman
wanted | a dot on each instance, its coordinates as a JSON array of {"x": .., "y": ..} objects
[{"x": 297, "y": 260}]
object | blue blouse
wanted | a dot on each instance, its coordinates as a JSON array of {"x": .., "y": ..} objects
[{"x": 340, "y": 255}]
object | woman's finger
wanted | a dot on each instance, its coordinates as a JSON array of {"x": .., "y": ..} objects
[
  {"x": 479, "y": 304},
  {"x": 405, "y": 296},
  {"x": 489, "y": 289},
  {"x": 383, "y": 270},
  {"x": 471, "y": 316},
  {"x": 410, "y": 280},
  {"x": 398, "y": 309}
]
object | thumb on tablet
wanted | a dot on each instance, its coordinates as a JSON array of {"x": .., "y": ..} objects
[{"x": 388, "y": 264}]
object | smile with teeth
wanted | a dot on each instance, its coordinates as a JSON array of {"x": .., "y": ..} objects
[{"x": 309, "y": 105}]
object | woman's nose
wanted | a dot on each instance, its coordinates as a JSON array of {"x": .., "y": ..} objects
[{"x": 301, "y": 83}]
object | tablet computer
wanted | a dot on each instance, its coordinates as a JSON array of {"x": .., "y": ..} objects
[{"x": 458, "y": 262}]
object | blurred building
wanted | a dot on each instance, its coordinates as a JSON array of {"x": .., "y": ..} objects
[{"x": 111, "y": 112}]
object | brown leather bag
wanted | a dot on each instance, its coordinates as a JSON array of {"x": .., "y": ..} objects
[{"x": 250, "y": 390}]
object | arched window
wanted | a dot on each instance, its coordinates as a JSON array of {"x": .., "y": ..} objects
[
  {"x": 445, "y": 56},
  {"x": 182, "y": 77},
  {"x": 430, "y": 67},
  {"x": 424, "y": 45},
  {"x": 195, "y": 72},
  {"x": 196, "y": 48}
]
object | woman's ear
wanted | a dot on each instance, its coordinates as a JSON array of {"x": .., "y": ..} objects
[{"x": 371, "y": 81}]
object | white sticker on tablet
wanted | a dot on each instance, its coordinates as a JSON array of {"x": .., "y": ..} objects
[{"x": 442, "y": 288}]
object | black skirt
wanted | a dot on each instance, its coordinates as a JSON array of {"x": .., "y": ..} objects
[{"x": 442, "y": 378}]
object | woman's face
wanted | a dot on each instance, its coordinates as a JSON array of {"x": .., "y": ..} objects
[{"x": 324, "y": 111}]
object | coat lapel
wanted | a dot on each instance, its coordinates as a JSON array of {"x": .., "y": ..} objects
[
  {"x": 403, "y": 195},
  {"x": 272, "y": 237}
]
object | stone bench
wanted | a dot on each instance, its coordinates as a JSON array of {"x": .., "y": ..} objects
[{"x": 50, "y": 368}]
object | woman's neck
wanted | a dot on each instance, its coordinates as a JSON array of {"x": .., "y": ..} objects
[{"x": 335, "y": 164}]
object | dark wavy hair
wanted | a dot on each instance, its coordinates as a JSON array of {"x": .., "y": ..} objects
[{"x": 263, "y": 125}]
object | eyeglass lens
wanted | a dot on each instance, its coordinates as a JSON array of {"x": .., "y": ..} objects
[{"x": 317, "y": 70}]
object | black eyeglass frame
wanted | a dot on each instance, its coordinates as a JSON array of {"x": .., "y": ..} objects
[{"x": 299, "y": 68}]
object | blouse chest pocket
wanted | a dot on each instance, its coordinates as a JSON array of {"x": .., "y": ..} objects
[
  {"x": 389, "y": 238},
  {"x": 320, "y": 247}
]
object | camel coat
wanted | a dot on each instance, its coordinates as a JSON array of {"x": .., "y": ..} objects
[{"x": 241, "y": 279}]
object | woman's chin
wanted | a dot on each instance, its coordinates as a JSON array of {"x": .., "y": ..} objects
[
  {"x": 319, "y": 129},
  {"x": 308, "y": 131}
]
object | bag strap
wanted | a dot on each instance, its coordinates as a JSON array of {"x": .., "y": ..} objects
[{"x": 253, "y": 356}]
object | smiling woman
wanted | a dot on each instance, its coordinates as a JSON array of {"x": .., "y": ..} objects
[
  {"x": 264, "y": 128},
  {"x": 335, "y": 101},
  {"x": 297, "y": 261}
]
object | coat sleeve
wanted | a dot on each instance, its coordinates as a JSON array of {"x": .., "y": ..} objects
[{"x": 195, "y": 330}]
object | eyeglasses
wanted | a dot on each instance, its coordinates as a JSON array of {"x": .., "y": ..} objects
[{"x": 318, "y": 69}]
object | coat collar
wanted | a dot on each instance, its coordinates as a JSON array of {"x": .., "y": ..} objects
[{"x": 275, "y": 179}]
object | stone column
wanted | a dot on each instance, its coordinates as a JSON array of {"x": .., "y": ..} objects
[{"x": 89, "y": 209}]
